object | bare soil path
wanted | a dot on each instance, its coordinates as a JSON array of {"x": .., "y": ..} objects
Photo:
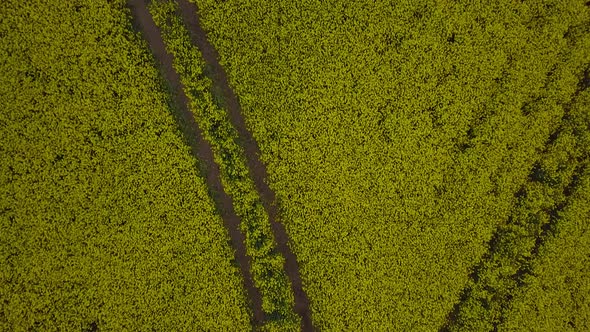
[
  {"x": 144, "y": 22},
  {"x": 190, "y": 16}
]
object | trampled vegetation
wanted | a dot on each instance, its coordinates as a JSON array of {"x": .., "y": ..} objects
[{"x": 430, "y": 161}]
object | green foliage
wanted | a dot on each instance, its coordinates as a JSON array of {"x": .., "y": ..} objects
[
  {"x": 267, "y": 264},
  {"x": 533, "y": 221},
  {"x": 427, "y": 156},
  {"x": 105, "y": 223},
  {"x": 396, "y": 135},
  {"x": 556, "y": 293}
]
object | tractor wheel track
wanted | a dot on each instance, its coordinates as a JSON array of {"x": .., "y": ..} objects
[
  {"x": 190, "y": 16},
  {"x": 144, "y": 22}
]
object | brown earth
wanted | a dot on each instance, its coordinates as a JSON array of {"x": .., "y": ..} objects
[
  {"x": 190, "y": 16},
  {"x": 200, "y": 148}
]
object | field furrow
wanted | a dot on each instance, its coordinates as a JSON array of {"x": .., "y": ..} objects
[
  {"x": 200, "y": 148},
  {"x": 278, "y": 165},
  {"x": 396, "y": 136},
  {"x": 105, "y": 222}
]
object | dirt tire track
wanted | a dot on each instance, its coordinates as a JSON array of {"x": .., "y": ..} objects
[
  {"x": 190, "y": 16},
  {"x": 144, "y": 23}
]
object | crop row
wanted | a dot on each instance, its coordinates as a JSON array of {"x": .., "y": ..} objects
[
  {"x": 267, "y": 264},
  {"x": 555, "y": 293},
  {"x": 536, "y": 216},
  {"x": 105, "y": 222},
  {"x": 396, "y": 136}
]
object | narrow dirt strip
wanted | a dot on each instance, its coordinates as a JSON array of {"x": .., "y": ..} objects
[
  {"x": 190, "y": 16},
  {"x": 200, "y": 148}
]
